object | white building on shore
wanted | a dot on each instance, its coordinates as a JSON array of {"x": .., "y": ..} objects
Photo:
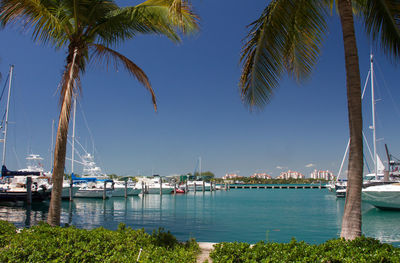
[
  {"x": 261, "y": 176},
  {"x": 326, "y": 175},
  {"x": 290, "y": 175},
  {"x": 230, "y": 176}
]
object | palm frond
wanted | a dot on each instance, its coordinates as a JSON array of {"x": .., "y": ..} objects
[
  {"x": 164, "y": 17},
  {"x": 287, "y": 37},
  {"x": 382, "y": 22},
  {"x": 45, "y": 17},
  {"x": 180, "y": 13},
  {"x": 107, "y": 55}
]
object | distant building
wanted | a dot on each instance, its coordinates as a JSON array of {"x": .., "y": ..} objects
[
  {"x": 291, "y": 174},
  {"x": 326, "y": 175},
  {"x": 261, "y": 176},
  {"x": 230, "y": 176}
]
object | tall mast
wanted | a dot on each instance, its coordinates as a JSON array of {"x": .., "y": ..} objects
[
  {"x": 52, "y": 145},
  {"x": 373, "y": 116},
  {"x": 6, "y": 121},
  {"x": 73, "y": 136},
  {"x": 200, "y": 166}
]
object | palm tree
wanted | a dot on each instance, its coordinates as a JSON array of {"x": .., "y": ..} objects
[
  {"x": 287, "y": 38},
  {"x": 89, "y": 28}
]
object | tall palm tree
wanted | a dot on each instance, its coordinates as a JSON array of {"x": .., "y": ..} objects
[
  {"x": 88, "y": 29},
  {"x": 287, "y": 38}
]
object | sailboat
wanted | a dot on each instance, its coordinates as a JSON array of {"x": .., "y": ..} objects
[
  {"x": 14, "y": 184},
  {"x": 377, "y": 176},
  {"x": 387, "y": 195},
  {"x": 197, "y": 185},
  {"x": 93, "y": 184}
]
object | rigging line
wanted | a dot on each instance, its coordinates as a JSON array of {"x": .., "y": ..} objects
[
  {"x": 86, "y": 124},
  {"x": 75, "y": 150},
  {"x": 1, "y": 96},
  {"x": 389, "y": 92},
  {"x": 95, "y": 152},
  {"x": 366, "y": 163},
  {"x": 5, "y": 86},
  {"x": 369, "y": 149}
]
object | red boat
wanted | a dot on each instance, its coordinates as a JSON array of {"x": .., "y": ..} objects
[{"x": 180, "y": 191}]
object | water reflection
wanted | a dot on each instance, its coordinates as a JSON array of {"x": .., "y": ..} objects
[
  {"x": 382, "y": 224},
  {"x": 242, "y": 215},
  {"x": 24, "y": 215}
]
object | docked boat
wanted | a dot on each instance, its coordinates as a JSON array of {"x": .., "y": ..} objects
[
  {"x": 385, "y": 196},
  {"x": 131, "y": 189},
  {"x": 25, "y": 184},
  {"x": 93, "y": 190},
  {"x": 155, "y": 187},
  {"x": 93, "y": 184},
  {"x": 15, "y": 189},
  {"x": 198, "y": 185},
  {"x": 67, "y": 187},
  {"x": 376, "y": 177}
]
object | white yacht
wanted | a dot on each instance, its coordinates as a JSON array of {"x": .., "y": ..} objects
[
  {"x": 93, "y": 189},
  {"x": 385, "y": 196},
  {"x": 199, "y": 186},
  {"x": 131, "y": 189},
  {"x": 154, "y": 188}
]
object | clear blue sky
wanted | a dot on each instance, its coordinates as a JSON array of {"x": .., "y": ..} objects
[{"x": 200, "y": 111}]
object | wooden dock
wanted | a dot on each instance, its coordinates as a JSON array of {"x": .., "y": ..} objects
[{"x": 238, "y": 186}]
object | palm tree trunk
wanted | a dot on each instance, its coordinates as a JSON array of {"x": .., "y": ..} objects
[
  {"x": 53, "y": 217},
  {"x": 351, "y": 222}
]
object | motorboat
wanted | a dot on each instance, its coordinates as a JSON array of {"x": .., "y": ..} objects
[
  {"x": 15, "y": 189},
  {"x": 198, "y": 186},
  {"x": 386, "y": 196},
  {"x": 131, "y": 189},
  {"x": 93, "y": 190},
  {"x": 155, "y": 188}
]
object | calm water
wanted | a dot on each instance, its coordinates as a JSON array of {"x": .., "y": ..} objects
[{"x": 312, "y": 215}]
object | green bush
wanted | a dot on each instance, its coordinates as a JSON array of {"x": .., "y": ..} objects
[
  {"x": 337, "y": 250},
  {"x": 44, "y": 243},
  {"x": 7, "y": 231}
]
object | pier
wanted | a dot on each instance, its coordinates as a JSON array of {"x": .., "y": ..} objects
[{"x": 247, "y": 186}]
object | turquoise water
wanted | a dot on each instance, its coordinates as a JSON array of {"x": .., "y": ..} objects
[{"x": 248, "y": 215}]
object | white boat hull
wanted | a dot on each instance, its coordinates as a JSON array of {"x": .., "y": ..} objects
[
  {"x": 93, "y": 193},
  {"x": 65, "y": 191},
  {"x": 383, "y": 196},
  {"x": 152, "y": 190},
  {"x": 120, "y": 191},
  {"x": 199, "y": 188}
]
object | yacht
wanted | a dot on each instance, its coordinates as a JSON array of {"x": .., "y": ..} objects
[
  {"x": 153, "y": 186},
  {"x": 93, "y": 190},
  {"x": 385, "y": 196},
  {"x": 131, "y": 189},
  {"x": 199, "y": 186}
]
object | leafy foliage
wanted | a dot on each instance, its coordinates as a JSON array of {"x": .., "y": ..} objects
[
  {"x": 7, "y": 231},
  {"x": 361, "y": 249},
  {"x": 44, "y": 243}
]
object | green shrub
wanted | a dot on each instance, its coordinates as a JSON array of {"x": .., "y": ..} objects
[
  {"x": 337, "y": 250},
  {"x": 7, "y": 231},
  {"x": 44, "y": 243}
]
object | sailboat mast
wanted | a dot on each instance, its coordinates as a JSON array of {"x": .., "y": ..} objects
[
  {"x": 52, "y": 145},
  {"x": 6, "y": 121},
  {"x": 200, "y": 166},
  {"x": 73, "y": 136},
  {"x": 373, "y": 116}
]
